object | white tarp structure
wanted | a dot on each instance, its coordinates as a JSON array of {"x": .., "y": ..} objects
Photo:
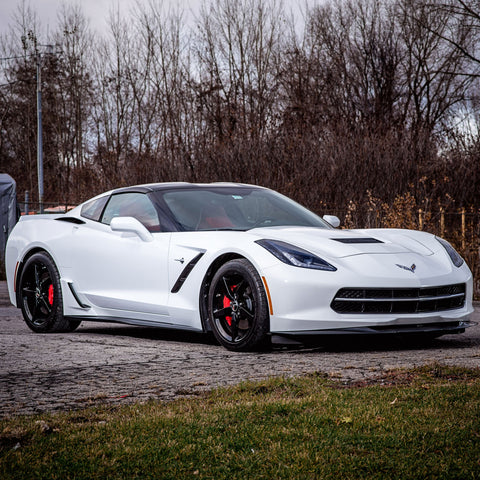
[{"x": 8, "y": 210}]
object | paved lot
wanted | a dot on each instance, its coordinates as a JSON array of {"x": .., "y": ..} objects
[{"x": 116, "y": 364}]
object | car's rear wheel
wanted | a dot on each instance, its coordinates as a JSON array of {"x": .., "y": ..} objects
[
  {"x": 238, "y": 307},
  {"x": 41, "y": 299}
]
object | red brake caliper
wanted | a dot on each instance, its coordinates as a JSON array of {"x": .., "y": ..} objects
[
  {"x": 50, "y": 294},
  {"x": 226, "y": 303}
]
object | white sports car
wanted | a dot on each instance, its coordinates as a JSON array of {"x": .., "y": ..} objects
[{"x": 241, "y": 261}]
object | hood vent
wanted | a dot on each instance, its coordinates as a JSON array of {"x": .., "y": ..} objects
[{"x": 357, "y": 240}]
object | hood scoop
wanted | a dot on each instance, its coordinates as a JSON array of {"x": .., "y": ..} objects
[{"x": 356, "y": 240}]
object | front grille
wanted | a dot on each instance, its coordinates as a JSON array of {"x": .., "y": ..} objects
[{"x": 399, "y": 300}]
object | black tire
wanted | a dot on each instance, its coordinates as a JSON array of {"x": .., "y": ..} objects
[
  {"x": 40, "y": 296},
  {"x": 238, "y": 307}
]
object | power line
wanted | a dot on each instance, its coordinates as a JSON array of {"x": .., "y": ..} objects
[
  {"x": 9, "y": 84},
  {"x": 17, "y": 57}
]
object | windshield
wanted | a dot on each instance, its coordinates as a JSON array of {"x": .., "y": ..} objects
[{"x": 235, "y": 208}]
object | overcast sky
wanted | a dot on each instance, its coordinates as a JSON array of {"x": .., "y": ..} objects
[{"x": 96, "y": 10}]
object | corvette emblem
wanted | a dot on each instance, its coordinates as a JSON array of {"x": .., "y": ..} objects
[{"x": 412, "y": 268}]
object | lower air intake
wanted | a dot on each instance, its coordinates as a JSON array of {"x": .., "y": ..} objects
[{"x": 399, "y": 300}]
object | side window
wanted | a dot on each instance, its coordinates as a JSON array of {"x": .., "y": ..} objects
[
  {"x": 93, "y": 209},
  {"x": 136, "y": 205}
]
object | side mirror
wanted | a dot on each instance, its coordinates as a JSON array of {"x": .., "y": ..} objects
[
  {"x": 131, "y": 225},
  {"x": 332, "y": 220}
]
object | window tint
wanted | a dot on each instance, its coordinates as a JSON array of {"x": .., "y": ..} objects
[
  {"x": 236, "y": 208},
  {"x": 93, "y": 209},
  {"x": 136, "y": 205}
]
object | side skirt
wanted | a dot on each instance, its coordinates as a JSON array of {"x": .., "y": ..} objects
[{"x": 133, "y": 321}]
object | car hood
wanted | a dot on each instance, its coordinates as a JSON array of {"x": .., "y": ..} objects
[{"x": 345, "y": 243}]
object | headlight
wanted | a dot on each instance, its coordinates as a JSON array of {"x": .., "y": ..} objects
[
  {"x": 452, "y": 253},
  {"x": 296, "y": 256}
]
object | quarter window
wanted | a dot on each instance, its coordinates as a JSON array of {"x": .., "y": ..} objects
[{"x": 93, "y": 209}]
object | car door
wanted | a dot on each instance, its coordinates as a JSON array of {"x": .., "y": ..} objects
[{"x": 119, "y": 272}]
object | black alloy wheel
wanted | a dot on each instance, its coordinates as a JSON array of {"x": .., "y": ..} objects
[
  {"x": 238, "y": 307},
  {"x": 41, "y": 296}
]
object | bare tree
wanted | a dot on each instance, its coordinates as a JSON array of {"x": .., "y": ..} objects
[
  {"x": 112, "y": 115},
  {"x": 73, "y": 102},
  {"x": 432, "y": 87},
  {"x": 237, "y": 49},
  {"x": 365, "y": 99},
  {"x": 164, "y": 49}
]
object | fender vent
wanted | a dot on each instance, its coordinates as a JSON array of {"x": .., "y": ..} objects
[
  {"x": 185, "y": 273},
  {"x": 70, "y": 220}
]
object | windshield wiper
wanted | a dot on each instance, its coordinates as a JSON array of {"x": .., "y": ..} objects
[{"x": 222, "y": 229}]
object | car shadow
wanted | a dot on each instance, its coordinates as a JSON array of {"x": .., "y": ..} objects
[
  {"x": 147, "y": 333},
  {"x": 321, "y": 344},
  {"x": 393, "y": 343}
]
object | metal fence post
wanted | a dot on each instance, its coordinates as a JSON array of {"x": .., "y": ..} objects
[
  {"x": 442, "y": 222},
  {"x": 27, "y": 199}
]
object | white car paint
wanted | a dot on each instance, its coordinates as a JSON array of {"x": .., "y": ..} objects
[{"x": 123, "y": 272}]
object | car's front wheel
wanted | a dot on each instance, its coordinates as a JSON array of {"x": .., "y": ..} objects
[
  {"x": 238, "y": 306},
  {"x": 41, "y": 296}
]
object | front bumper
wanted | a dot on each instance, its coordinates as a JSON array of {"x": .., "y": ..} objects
[{"x": 301, "y": 300}]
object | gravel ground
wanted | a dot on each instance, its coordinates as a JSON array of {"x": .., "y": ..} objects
[{"x": 117, "y": 364}]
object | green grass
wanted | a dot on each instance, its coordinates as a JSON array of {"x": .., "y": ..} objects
[{"x": 422, "y": 423}]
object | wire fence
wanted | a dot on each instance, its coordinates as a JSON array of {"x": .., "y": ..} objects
[{"x": 33, "y": 208}]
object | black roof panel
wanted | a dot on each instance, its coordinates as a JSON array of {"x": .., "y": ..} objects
[{"x": 153, "y": 187}]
